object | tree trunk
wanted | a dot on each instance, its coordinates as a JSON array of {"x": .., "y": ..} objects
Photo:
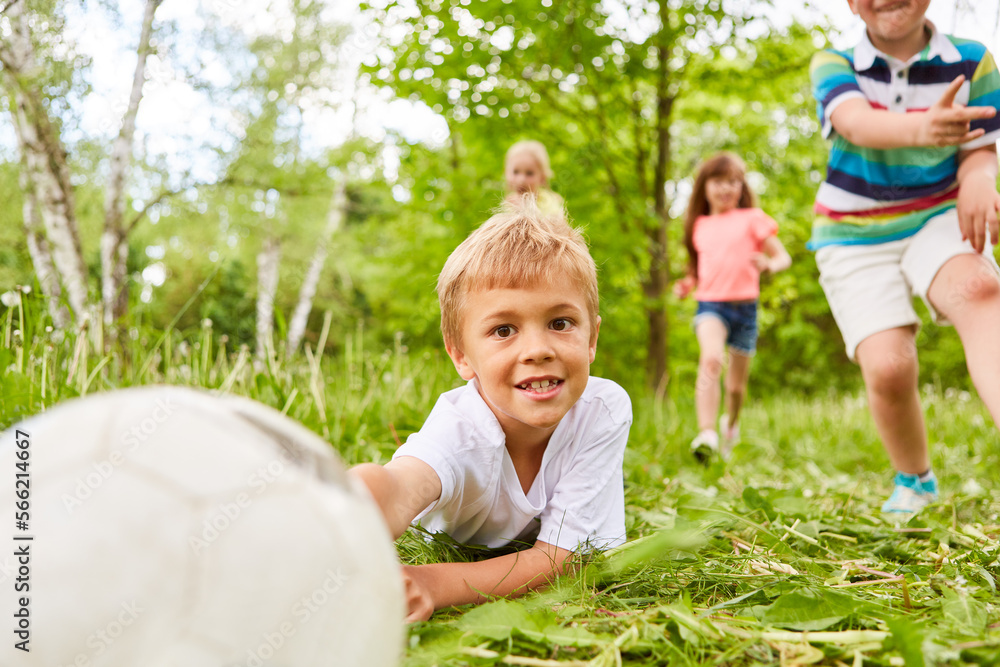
[
  {"x": 334, "y": 219},
  {"x": 41, "y": 255},
  {"x": 44, "y": 158},
  {"x": 114, "y": 241},
  {"x": 655, "y": 286},
  {"x": 267, "y": 286}
]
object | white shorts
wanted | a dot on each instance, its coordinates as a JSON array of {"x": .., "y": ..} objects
[{"x": 870, "y": 288}]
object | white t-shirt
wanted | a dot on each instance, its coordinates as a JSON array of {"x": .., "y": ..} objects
[{"x": 578, "y": 497}]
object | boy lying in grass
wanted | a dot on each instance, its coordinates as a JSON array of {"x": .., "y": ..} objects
[{"x": 530, "y": 450}]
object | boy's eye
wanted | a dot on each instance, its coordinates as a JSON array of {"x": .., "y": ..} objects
[
  {"x": 503, "y": 331},
  {"x": 561, "y": 324}
]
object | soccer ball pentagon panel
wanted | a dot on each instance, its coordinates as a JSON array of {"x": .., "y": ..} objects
[{"x": 170, "y": 527}]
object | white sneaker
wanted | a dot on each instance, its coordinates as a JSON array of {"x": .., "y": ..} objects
[
  {"x": 729, "y": 435},
  {"x": 910, "y": 495},
  {"x": 705, "y": 445}
]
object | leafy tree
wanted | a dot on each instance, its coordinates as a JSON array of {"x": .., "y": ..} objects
[
  {"x": 32, "y": 60},
  {"x": 628, "y": 99}
]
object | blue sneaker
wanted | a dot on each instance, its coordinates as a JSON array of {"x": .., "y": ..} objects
[{"x": 911, "y": 495}]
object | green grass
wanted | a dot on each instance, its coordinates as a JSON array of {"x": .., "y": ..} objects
[{"x": 727, "y": 565}]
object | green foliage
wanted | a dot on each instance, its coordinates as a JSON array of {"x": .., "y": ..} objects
[
  {"x": 566, "y": 75},
  {"x": 15, "y": 264},
  {"x": 725, "y": 565},
  {"x": 602, "y": 96},
  {"x": 589, "y": 92}
]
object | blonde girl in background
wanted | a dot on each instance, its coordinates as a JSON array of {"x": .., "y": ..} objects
[
  {"x": 729, "y": 242},
  {"x": 526, "y": 170}
]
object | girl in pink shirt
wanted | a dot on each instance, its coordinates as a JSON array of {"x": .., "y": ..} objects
[{"x": 729, "y": 242}]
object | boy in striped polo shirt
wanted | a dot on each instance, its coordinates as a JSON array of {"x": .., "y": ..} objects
[{"x": 909, "y": 208}]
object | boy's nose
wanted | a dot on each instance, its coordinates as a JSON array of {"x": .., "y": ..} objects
[{"x": 536, "y": 348}]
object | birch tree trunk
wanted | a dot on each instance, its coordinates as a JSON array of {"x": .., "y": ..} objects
[
  {"x": 334, "y": 219},
  {"x": 44, "y": 158},
  {"x": 267, "y": 286},
  {"x": 41, "y": 255},
  {"x": 114, "y": 238}
]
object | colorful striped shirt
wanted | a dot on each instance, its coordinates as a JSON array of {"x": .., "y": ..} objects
[{"x": 874, "y": 195}]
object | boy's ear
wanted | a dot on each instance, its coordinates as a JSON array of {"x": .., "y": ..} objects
[
  {"x": 460, "y": 360},
  {"x": 854, "y": 6},
  {"x": 593, "y": 338}
]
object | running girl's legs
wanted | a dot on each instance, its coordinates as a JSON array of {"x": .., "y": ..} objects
[
  {"x": 711, "y": 333},
  {"x": 736, "y": 384}
]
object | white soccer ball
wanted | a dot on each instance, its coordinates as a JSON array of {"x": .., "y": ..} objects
[{"x": 170, "y": 527}]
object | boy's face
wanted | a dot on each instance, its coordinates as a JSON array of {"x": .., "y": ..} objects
[
  {"x": 891, "y": 22},
  {"x": 523, "y": 173},
  {"x": 529, "y": 350}
]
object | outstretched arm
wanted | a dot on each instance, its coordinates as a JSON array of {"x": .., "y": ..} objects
[
  {"x": 978, "y": 201},
  {"x": 944, "y": 123},
  {"x": 774, "y": 257},
  {"x": 402, "y": 488},
  {"x": 438, "y": 585}
]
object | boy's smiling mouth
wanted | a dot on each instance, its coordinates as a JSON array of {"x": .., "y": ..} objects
[
  {"x": 891, "y": 7},
  {"x": 888, "y": 6},
  {"x": 539, "y": 386}
]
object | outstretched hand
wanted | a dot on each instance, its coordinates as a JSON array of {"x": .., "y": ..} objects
[
  {"x": 978, "y": 204},
  {"x": 684, "y": 286},
  {"x": 419, "y": 603},
  {"x": 760, "y": 261},
  {"x": 946, "y": 123}
]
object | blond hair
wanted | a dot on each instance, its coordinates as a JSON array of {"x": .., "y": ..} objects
[
  {"x": 535, "y": 149},
  {"x": 518, "y": 247}
]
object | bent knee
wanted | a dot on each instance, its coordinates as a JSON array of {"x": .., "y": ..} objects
[
  {"x": 710, "y": 364},
  {"x": 979, "y": 286},
  {"x": 893, "y": 374},
  {"x": 983, "y": 288}
]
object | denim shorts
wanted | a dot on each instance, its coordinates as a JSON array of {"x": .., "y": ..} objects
[{"x": 740, "y": 318}]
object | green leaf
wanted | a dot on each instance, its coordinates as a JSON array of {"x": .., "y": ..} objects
[
  {"x": 503, "y": 619},
  {"x": 645, "y": 550},
  {"x": 564, "y": 635},
  {"x": 754, "y": 501},
  {"x": 809, "y": 611},
  {"x": 967, "y": 613},
  {"x": 496, "y": 620},
  {"x": 690, "y": 627},
  {"x": 908, "y": 639}
]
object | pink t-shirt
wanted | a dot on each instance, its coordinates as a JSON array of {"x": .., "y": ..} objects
[{"x": 725, "y": 243}]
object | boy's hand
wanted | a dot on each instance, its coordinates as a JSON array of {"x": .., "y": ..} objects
[
  {"x": 978, "y": 203},
  {"x": 684, "y": 286},
  {"x": 419, "y": 602},
  {"x": 946, "y": 123}
]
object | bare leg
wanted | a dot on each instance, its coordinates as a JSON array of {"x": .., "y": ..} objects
[
  {"x": 711, "y": 333},
  {"x": 888, "y": 362},
  {"x": 736, "y": 384},
  {"x": 967, "y": 291}
]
